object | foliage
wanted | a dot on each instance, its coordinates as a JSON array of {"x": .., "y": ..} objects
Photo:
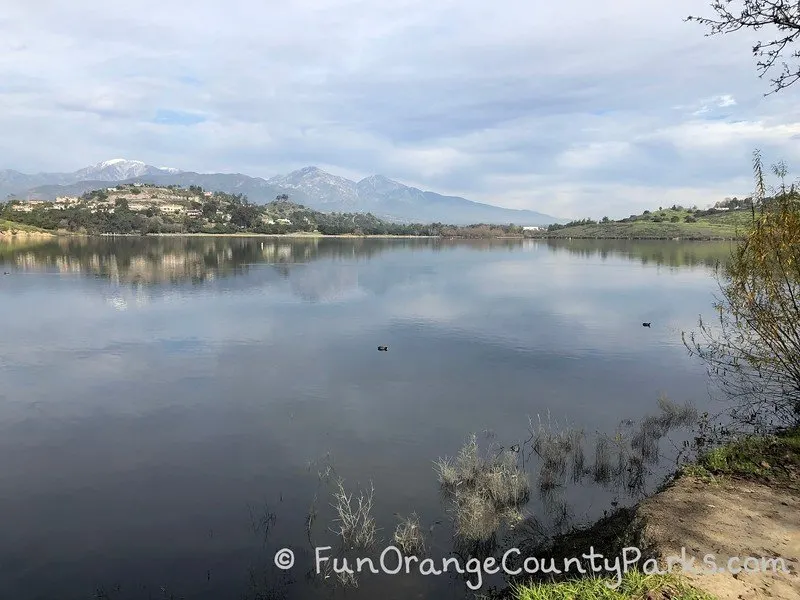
[
  {"x": 245, "y": 215},
  {"x": 557, "y": 226},
  {"x": 11, "y": 226},
  {"x": 224, "y": 214},
  {"x": 753, "y": 350},
  {"x": 726, "y": 220},
  {"x": 711, "y": 224},
  {"x": 778, "y": 52},
  {"x": 634, "y": 585},
  {"x": 770, "y": 457}
]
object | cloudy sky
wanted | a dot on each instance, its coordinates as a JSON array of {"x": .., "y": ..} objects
[{"x": 573, "y": 108}]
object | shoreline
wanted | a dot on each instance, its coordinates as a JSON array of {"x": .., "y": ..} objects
[
  {"x": 640, "y": 238},
  {"x": 261, "y": 235},
  {"x": 8, "y": 234},
  {"x": 739, "y": 500}
]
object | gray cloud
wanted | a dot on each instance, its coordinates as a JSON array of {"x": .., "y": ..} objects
[{"x": 520, "y": 104}]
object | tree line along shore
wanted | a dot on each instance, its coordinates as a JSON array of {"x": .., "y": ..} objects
[{"x": 144, "y": 209}]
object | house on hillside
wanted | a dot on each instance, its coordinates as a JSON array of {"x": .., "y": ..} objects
[
  {"x": 62, "y": 202},
  {"x": 28, "y": 206}
]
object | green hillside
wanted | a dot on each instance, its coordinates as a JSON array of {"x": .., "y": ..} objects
[
  {"x": 667, "y": 223},
  {"x": 7, "y": 226},
  {"x": 142, "y": 209}
]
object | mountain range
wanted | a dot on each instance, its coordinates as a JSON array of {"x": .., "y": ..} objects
[{"x": 310, "y": 186}]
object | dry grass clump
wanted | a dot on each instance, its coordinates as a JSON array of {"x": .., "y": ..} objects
[
  {"x": 601, "y": 470},
  {"x": 409, "y": 537},
  {"x": 645, "y": 441},
  {"x": 447, "y": 472},
  {"x": 476, "y": 516},
  {"x": 557, "y": 448},
  {"x": 578, "y": 457},
  {"x": 486, "y": 492},
  {"x": 356, "y": 525}
]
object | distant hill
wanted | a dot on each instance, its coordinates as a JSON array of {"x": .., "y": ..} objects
[
  {"x": 666, "y": 223},
  {"x": 144, "y": 208},
  {"x": 311, "y": 187}
]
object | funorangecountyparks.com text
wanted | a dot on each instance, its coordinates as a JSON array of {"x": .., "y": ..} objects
[{"x": 392, "y": 561}]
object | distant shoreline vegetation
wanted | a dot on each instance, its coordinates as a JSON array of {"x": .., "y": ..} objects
[
  {"x": 146, "y": 209},
  {"x": 729, "y": 219}
]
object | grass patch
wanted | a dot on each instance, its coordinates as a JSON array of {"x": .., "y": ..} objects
[
  {"x": 635, "y": 586},
  {"x": 13, "y": 226},
  {"x": 409, "y": 537},
  {"x": 771, "y": 459}
]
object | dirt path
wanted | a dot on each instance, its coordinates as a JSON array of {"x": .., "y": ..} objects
[{"x": 729, "y": 518}]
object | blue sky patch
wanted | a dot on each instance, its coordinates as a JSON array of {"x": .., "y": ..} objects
[{"x": 176, "y": 117}]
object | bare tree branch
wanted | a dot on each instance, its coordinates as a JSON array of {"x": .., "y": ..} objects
[{"x": 776, "y": 55}]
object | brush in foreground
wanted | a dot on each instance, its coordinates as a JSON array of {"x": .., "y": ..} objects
[
  {"x": 408, "y": 536},
  {"x": 485, "y": 491},
  {"x": 356, "y": 525},
  {"x": 634, "y": 586}
]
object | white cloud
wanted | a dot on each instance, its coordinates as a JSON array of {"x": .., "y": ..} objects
[
  {"x": 594, "y": 154},
  {"x": 514, "y": 103},
  {"x": 709, "y": 135},
  {"x": 714, "y": 102}
]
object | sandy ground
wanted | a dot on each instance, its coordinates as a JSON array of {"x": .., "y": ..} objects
[
  {"x": 729, "y": 518},
  {"x": 11, "y": 235}
]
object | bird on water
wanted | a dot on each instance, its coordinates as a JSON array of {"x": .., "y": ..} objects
[
  {"x": 383, "y": 348},
  {"x": 645, "y": 324}
]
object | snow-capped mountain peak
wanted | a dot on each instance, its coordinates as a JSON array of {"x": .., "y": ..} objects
[
  {"x": 119, "y": 169},
  {"x": 379, "y": 184},
  {"x": 117, "y": 161},
  {"x": 319, "y": 184}
]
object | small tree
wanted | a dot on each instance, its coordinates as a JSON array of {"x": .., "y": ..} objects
[{"x": 753, "y": 352}]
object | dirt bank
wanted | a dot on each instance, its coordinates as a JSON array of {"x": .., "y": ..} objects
[
  {"x": 728, "y": 518},
  {"x": 738, "y": 500},
  {"x": 13, "y": 234}
]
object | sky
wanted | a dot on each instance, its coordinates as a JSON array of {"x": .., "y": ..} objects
[{"x": 576, "y": 108}]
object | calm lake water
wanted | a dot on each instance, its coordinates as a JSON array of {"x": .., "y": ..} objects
[{"x": 167, "y": 404}]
